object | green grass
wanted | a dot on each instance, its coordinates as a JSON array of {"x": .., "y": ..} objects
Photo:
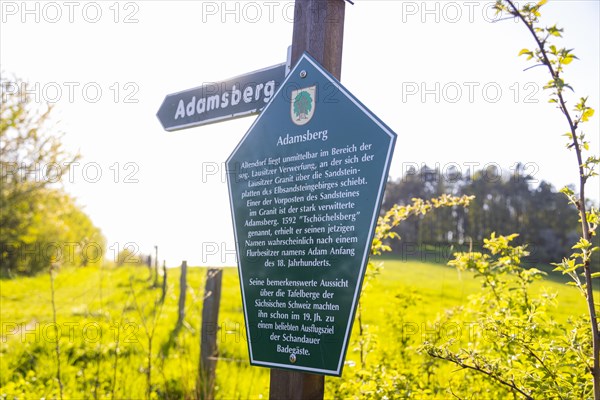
[{"x": 99, "y": 301}]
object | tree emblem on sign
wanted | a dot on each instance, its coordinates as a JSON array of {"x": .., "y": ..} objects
[{"x": 303, "y": 106}]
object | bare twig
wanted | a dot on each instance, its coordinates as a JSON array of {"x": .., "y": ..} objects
[
  {"x": 494, "y": 376},
  {"x": 57, "y": 348},
  {"x": 117, "y": 349},
  {"x": 149, "y": 331}
]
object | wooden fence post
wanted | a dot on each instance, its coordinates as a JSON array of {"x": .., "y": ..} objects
[
  {"x": 155, "y": 284},
  {"x": 209, "y": 330},
  {"x": 182, "y": 292},
  {"x": 149, "y": 264},
  {"x": 164, "y": 282}
]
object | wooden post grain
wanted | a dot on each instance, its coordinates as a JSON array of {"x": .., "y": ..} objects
[
  {"x": 318, "y": 29},
  {"x": 291, "y": 385},
  {"x": 208, "y": 336}
]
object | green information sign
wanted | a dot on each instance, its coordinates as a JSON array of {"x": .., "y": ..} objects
[{"x": 305, "y": 186}]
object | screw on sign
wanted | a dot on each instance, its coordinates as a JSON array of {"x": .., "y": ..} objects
[{"x": 307, "y": 183}]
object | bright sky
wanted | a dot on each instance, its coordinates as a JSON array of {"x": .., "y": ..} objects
[{"x": 442, "y": 74}]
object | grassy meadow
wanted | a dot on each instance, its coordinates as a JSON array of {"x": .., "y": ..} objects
[{"x": 116, "y": 340}]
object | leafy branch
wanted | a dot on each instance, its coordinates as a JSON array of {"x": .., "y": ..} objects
[
  {"x": 554, "y": 59},
  {"x": 518, "y": 345},
  {"x": 384, "y": 231},
  {"x": 398, "y": 213},
  {"x": 481, "y": 367}
]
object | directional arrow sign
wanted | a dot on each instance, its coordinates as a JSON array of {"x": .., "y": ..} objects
[
  {"x": 305, "y": 188},
  {"x": 218, "y": 101}
]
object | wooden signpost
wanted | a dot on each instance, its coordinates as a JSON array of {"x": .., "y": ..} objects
[
  {"x": 318, "y": 30},
  {"x": 305, "y": 194}
]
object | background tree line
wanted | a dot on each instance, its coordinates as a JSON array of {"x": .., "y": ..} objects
[
  {"x": 40, "y": 223},
  {"x": 505, "y": 202}
]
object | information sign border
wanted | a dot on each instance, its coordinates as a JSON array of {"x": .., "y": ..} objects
[{"x": 307, "y": 58}]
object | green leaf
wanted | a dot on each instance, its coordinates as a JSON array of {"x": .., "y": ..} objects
[
  {"x": 582, "y": 244},
  {"x": 524, "y": 51},
  {"x": 587, "y": 114},
  {"x": 568, "y": 191}
]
